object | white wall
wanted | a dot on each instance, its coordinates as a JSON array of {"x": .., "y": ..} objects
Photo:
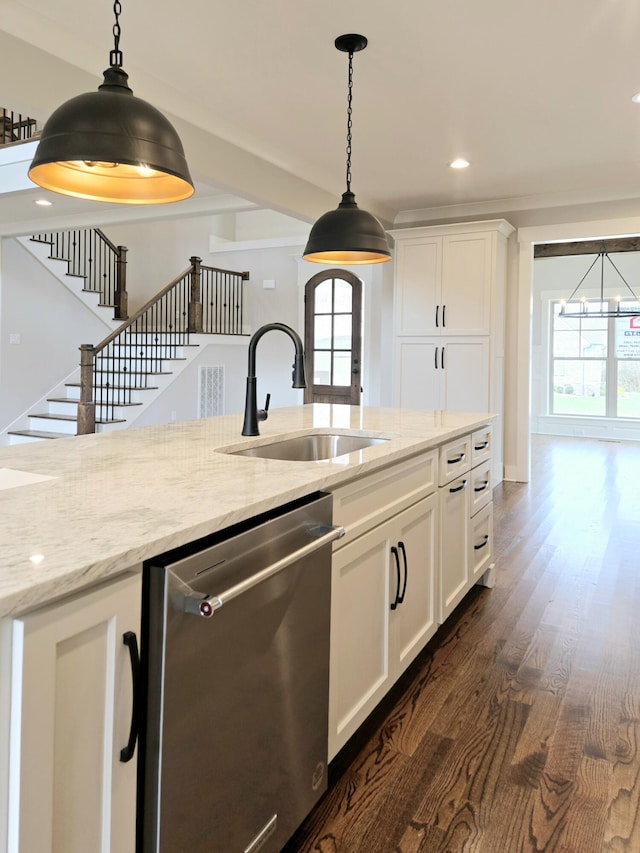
[{"x": 51, "y": 323}]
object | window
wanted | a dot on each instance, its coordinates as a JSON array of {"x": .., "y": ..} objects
[{"x": 595, "y": 363}]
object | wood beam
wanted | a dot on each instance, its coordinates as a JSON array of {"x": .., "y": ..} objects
[{"x": 586, "y": 247}]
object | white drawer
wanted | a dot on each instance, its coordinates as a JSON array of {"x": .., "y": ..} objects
[
  {"x": 481, "y": 486},
  {"x": 481, "y": 542},
  {"x": 455, "y": 459},
  {"x": 369, "y": 500},
  {"x": 481, "y": 448}
]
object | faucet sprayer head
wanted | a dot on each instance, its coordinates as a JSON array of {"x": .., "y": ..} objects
[{"x": 298, "y": 376}]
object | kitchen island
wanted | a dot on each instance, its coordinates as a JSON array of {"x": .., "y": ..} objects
[{"x": 80, "y": 515}]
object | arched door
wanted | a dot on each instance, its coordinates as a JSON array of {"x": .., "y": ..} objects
[{"x": 333, "y": 337}]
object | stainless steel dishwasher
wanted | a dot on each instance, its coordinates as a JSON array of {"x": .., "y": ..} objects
[{"x": 236, "y": 665}]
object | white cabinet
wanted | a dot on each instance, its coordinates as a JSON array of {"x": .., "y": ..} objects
[
  {"x": 383, "y": 604},
  {"x": 449, "y": 318},
  {"x": 70, "y": 716},
  {"x": 443, "y": 283},
  {"x": 443, "y": 374},
  {"x": 466, "y": 516}
]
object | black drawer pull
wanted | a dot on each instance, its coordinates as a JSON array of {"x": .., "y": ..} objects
[
  {"x": 130, "y": 640},
  {"x": 406, "y": 572},
  {"x": 459, "y": 488},
  {"x": 444, "y": 321},
  {"x": 437, "y": 309},
  {"x": 435, "y": 358},
  {"x": 482, "y": 487},
  {"x": 481, "y": 446},
  {"x": 482, "y": 544},
  {"x": 456, "y": 460},
  {"x": 396, "y": 600}
]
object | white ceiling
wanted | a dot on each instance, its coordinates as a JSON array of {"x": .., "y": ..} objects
[{"x": 535, "y": 93}]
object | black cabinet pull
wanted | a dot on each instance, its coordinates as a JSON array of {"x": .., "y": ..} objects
[
  {"x": 442, "y": 359},
  {"x": 459, "y": 488},
  {"x": 483, "y": 543},
  {"x": 406, "y": 572},
  {"x": 482, "y": 487},
  {"x": 456, "y": 459},
  {"x": 435, "y": 358},
  {"x": 444, "y": 322},
  {"x": 396, "y": 600},
  {"x": 130, "y": 640},
  {"x": 481, "y": 446},
  {"x": 437, "y": 309}
]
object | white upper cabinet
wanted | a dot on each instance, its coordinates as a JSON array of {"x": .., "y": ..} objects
[{"x": 465, "y": 307}]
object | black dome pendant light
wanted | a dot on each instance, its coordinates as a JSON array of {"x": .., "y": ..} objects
[
  {"x": 348, "y": 235},
  {"x": 111, "y": 146}
]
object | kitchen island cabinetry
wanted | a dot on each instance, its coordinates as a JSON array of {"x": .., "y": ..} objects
[
  {"x": 382, "y": 613},
  {"x": 71, "y": 709},
  {"x": 100, "y": 504},
  {"x": 466, "y": 517}
]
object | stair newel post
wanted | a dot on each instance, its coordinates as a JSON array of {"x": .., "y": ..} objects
[
  {"x": 121, "y": 297},
  {"x": 195, "y": 297},
  {"x": 86, "y": 405}
]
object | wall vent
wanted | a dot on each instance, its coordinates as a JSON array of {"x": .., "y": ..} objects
[{"x": 211, "y": 391}]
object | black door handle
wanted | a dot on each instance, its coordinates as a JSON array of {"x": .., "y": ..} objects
[
  {"x": 130, "y": 640},
  {"x": 395, "y": 601},
  {"x": 437, "y": 309},
  {"x": 406, "y": 572},
  {"x": 435, "y": 358}
]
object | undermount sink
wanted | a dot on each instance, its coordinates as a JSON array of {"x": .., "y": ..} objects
[{"x": 312, "y": 447}]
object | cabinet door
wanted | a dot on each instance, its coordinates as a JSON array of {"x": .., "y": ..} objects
[
  {"x": 454, "y": 538},
  {"x": 414, "y": 619},
  {"x": 418, "y": 281},
  {"x": 466, "y": 283},
  {"x": 359, "y": 664},
  {"x": 465, "y": 375},
  {"x": 419, "y": 374},
  {"x": 72, "y": 701}
]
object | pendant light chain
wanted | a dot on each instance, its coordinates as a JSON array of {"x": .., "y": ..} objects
[
  {"x": 115, "y": 56},
  {"x": 349, "y": 121}
]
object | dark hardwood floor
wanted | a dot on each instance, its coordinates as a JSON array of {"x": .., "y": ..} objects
[{"x": 518, "y": 729}]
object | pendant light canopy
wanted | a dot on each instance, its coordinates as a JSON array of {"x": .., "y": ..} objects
[
  {"x": 348, "y": 235},
  {"x": 577, "y": 305},
  {"x": 111, "y": 146}
]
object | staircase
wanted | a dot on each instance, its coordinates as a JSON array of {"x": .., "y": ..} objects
[{"x": 140, "y": 357}]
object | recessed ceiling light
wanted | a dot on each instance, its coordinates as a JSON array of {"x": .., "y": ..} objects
[
  {"x": 43, "y": 202},
  {"x": 459, "y": 163},
  {"x": 636, "y": 98}
]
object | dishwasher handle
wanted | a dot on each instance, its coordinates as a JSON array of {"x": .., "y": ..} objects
[{"x": 205, "y": 605}]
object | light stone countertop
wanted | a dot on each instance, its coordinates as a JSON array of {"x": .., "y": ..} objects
[{"x": 110, "y": 501}]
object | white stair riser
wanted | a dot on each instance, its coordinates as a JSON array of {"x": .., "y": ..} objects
[
  {"x": 102, "y": 412},
  {"x": 144, "y": 351},
  {"x": 110, "y": 366},
  {"x": 50, "y": 425},
  {"x": 22, "y": 439}
]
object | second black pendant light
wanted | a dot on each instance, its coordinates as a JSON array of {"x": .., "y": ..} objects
[{"x": 348, "y": 235}]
